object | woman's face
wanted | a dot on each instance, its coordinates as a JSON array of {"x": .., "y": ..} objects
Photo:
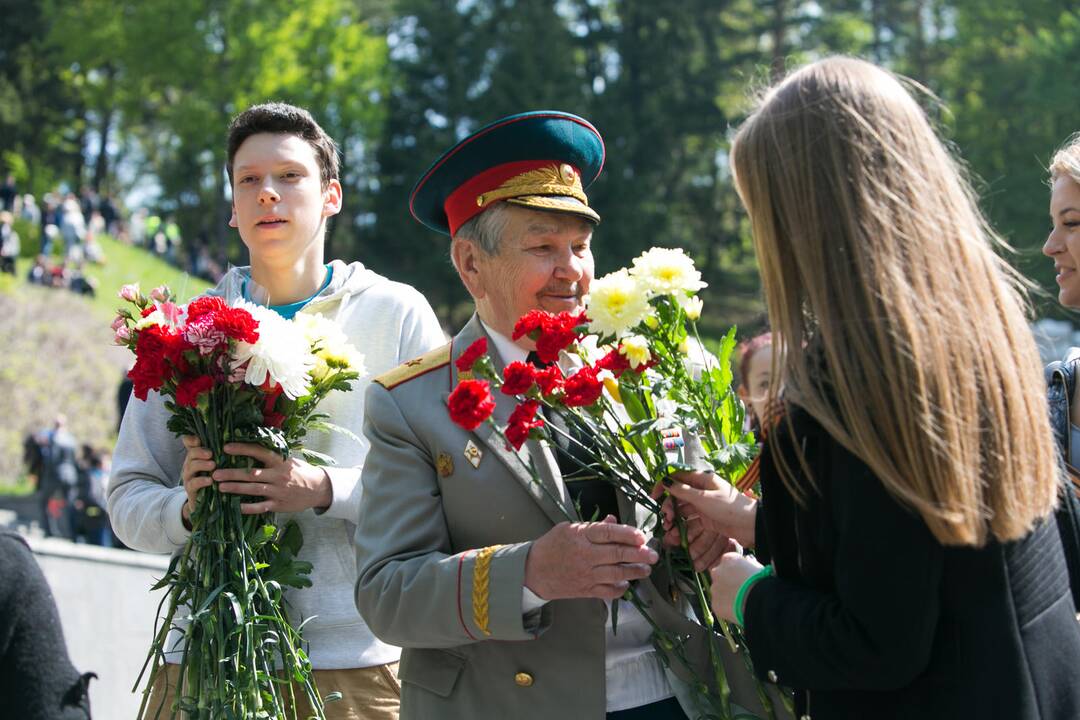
[
  {"x": 754, "y": 390},
  {"x": 1063, "y": 243}
]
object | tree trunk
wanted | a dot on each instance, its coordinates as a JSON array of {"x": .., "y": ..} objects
[
  {"x": 779, "y": 24},
  {"x": 919, "y": 61},
  {"x": 101, "y": 164}
]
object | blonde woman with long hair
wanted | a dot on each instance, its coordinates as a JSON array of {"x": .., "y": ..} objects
[
  {"x": 911, "y": 564},
  {"x": 1063, "y": 247}
]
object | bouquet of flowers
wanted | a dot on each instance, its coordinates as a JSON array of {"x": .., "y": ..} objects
[
  {"x": 645, "y": 387},
  {"x": 235, "y": 373}
]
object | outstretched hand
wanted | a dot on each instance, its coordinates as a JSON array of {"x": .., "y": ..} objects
[
  {"x": 704, "y": 498},
  {"x": 594, "y": 560}
]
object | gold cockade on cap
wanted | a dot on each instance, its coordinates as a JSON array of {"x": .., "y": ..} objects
[{"x": 555, "y": 179}]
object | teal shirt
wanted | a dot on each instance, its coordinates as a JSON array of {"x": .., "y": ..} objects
[{"x": 289, "y": 311}]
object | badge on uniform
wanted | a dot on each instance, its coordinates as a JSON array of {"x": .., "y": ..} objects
[
  {"x": 444, "y": 464},
  {"x": 473, "y": 454}
]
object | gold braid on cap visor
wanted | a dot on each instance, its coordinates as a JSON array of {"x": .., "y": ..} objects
[{"x": 549, "y": 180}]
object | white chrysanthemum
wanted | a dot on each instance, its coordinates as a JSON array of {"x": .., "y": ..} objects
[
  {"x": 636, "y": 349},
  {"x": 318, "y": 330},
  {"x": 282, "y": 352},
  {"x": 667, "y": 271},
  {"x": 616, "y": 303},
  {"x": 693, "y": 306}
]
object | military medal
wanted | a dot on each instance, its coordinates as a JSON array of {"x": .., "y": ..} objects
[
  {"x": 473, "y": 454},
  {"x": 444, "y": 464}
]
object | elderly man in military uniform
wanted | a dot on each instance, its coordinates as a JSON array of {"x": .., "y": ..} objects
[{"x": 466, "y": 561}]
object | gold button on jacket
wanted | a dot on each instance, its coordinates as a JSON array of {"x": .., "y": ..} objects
[{"x": 523, "y": 679}]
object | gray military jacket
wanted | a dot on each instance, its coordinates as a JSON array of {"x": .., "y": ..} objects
[{"x": 442, "y": 539}]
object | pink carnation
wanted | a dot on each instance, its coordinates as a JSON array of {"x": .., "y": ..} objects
[
  {"x": 130, "y": 292},
  {"x": 202, "y": 334}
]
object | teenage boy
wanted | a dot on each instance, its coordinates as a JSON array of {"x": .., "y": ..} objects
[{"x": 284, "y": 173}]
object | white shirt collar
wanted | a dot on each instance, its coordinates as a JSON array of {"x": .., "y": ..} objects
[{"x": 508, "y": 350}]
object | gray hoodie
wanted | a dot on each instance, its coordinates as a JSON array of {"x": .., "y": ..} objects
[{"x": 388, "y": 323}]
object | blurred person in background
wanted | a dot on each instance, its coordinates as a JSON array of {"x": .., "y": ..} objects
[
  {"x": 9, "y": 243},
  {"x": 37, "y": 678}
]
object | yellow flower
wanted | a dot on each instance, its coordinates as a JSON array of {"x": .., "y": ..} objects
[
  {"x": 320, "y": 371},
  {"x": 329, "y": 343},
  {"x": 335, "y": 357},
  {"x": 616, "y": 303},
  {"x": 684, "y": 346},
  {"x": 667, "y": 271},
  {"x": 692, "y": 305},
  {"x": 651, "y": 322},
  {"x": 155, "y": 318},
  {"x": 636, "y": 350},
  {"x": 612, "y": 386}
]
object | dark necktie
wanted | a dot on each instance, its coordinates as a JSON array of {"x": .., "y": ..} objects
[{"x": 593, "y": 496}]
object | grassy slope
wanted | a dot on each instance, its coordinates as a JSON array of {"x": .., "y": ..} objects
[
  {"x": 58, "y": 357},
  {"x": 129, "y": 264}
]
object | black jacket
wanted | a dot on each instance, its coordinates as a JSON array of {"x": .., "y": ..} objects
[
  {"x": 37, "y": 679},
  {"x": 870, "y": 617},
  {"x": 1060, "y": 383}
]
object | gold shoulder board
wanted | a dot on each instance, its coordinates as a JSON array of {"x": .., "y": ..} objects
[{"x": 431, "y": 360}]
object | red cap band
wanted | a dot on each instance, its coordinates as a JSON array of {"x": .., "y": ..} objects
[{"x": 461, "y": 205}]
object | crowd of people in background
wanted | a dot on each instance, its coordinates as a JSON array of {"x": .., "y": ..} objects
[
  {"x": 70, "y": 484},
  {"x": 67, "y": 227}
]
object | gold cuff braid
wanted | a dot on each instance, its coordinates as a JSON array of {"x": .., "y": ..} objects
[{"x": 481, "y": 580}]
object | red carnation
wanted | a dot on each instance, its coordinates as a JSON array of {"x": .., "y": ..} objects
[
  {"x": 557, "y": 332},
  {"x": 522, "y": 421},
  {"x": 550, "y": 344},
  {"x": 471, "y": 403},
  {"x": 518, "y": 377},
  {"x": 157, "y": 351},
  {"x": 549, "y": 379},
  {"x": 189, "y": 390},
  {"x": 273, "y": 391},
  {"x": 472, "y": 353},
  {"x": 528, "y": 323},
  {"x": 205, "y": 305},
  {"x": 147, "y": 375},
  {"x": 582, "y": 388},
  {"x": 553, "y": 333},
  {"x": 237, "y": 324},
  {"x": 614, "y": 361}
]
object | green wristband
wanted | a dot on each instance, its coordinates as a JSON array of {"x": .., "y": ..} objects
[{"x": 745, "y": 588}]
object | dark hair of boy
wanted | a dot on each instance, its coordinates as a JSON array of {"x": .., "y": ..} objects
[{"x": 283, "y": 119}]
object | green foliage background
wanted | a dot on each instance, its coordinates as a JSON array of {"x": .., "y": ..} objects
[{"x": 398, "y": 81}]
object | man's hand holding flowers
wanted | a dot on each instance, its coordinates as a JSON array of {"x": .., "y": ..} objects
[
  {"x": 284, "y": 484},
  {"x": 588, "y": 560}
]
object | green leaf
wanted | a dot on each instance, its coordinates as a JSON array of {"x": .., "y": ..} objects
[
  {"x": 631, "y": 397},
  {"x": 291, "y": 539},
  {"x": 317, "y": 458},
  {"x": 207, "y": 602},
  {"x": 326, "y": 426}
]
